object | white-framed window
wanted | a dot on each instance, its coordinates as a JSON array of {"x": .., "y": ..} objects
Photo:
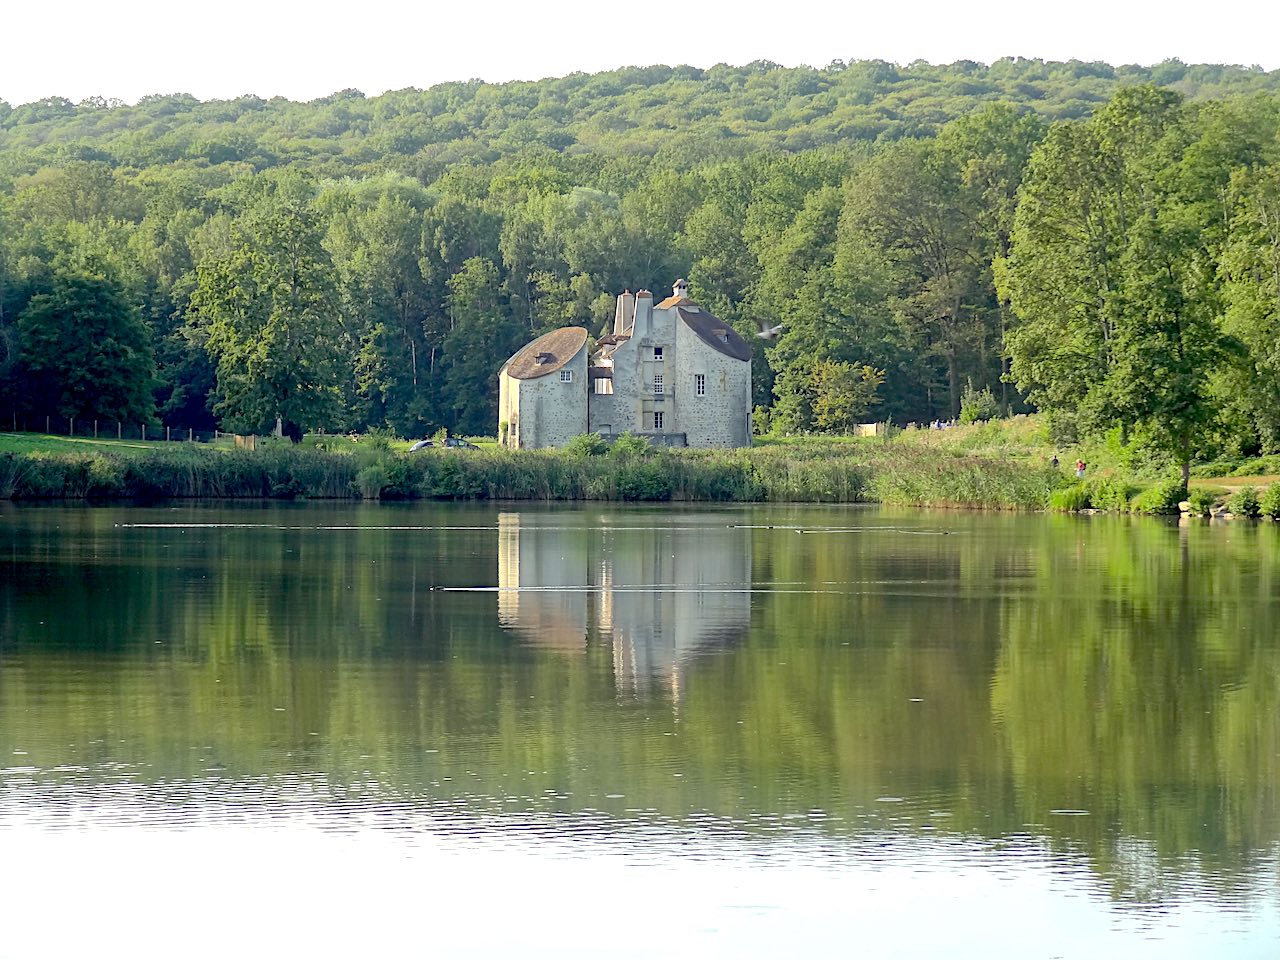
[
  {"x": 566, "y": 376},
  {"x": 659, "y": 383},
  {"x": 603, "y": 385},
  {"x": 700, "y": 384},
  {"x": 657, "y": 353},
  {"x": 658, "y": 417}
]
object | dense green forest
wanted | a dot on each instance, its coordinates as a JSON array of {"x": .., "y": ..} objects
[{"x": 1099, "y": 243}]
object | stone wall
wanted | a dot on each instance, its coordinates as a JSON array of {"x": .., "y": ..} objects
[
  {"x": 546, "y": 411},
  {"x": 720, "y": 418},
  {"x": 617, "y": 412}
]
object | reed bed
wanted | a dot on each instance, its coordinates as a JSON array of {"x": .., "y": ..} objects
[{"x": 847, "y": 472}]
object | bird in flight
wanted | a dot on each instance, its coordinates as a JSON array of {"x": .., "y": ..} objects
[{"x": 767, "y": 332}]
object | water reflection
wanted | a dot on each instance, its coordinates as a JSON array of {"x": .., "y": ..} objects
[
  {"x": 658, "y": 594},
  {"x": 1088, "y": 706}
]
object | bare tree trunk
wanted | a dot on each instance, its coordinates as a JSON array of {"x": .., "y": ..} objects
[{"x": 953, "y": 382}]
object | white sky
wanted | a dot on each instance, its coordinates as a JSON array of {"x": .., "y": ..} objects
[{"x": 303, "y": 50}]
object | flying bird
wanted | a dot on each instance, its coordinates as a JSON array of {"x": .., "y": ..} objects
[{"x": 767, "y": 332}]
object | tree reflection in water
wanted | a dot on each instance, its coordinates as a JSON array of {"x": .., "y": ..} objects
[{"x": 1101, "y": 692}]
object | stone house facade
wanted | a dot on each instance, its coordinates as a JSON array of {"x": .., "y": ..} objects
[{"x": 668, "y": 371}]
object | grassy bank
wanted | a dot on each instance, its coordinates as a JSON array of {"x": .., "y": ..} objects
[
  {"x": 1119, "y": 478},
  {"x": 999, "y": 465},
  {"x": 812, "y": 472}
]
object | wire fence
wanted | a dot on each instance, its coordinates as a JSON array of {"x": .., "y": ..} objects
[{"x": 91, "y": 429}]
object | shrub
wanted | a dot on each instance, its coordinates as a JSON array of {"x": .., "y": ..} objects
[
  {"x": 398, "y": 485},
  {"x": 1269, "y": 504},
  {"x": 629, "y": 446},
  {"x": 1070, "y": 499},
  {"x": 450, "y": 477},
  {"x": 644, "y": 481},
  {"x": 106, "y": 477},
  {"x": 1162, "y": 498},
  {"x": 1244, "y": 503},
  {"x": 587, "y": 445},
  {"x": 1203, "y": 499},
  {"x": 380, "y": 438},
  {"x": 1220, "y": 468},
  {"x": 976, "y": 405},
  {"x": 1063, "y": 431},
  {"x": 371, "y": 481},
  {"x": 1255, "y": 466},
  {"x": 1110, "y": 493}
]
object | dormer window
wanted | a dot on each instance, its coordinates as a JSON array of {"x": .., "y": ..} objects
[
  {"x": 722, "y": 335},
  {"x": 542, "y": 358}
]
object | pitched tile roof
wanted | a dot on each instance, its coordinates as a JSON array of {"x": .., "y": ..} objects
[
  {"x": 716, "y": 333},
  {"x": 554, "y": 349}
]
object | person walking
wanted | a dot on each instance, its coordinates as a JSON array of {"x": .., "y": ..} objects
[{"x": 1080, "y": 465}]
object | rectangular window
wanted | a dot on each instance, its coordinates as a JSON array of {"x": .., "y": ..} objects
[
  {"x": 700, "y": 384},
  {"x": 657, "y": 353},
  {"x": 566, "y": 376},
  {"x": 604, "y": 386},
  {"x": 657, "y": 419},
  {"x": 658, "y": 383}
]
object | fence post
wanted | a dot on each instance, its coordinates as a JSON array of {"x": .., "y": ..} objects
[
  {"x": 71, "y": 430},
  {"x": 46, "y": 423},
  {"x": 144, "y": 433},
  {"x": 95, "y": 429},
  {"x": 167, "y": 437},
  {"x": 119, "y": 430},
  {"x": 191, "y": 434}
]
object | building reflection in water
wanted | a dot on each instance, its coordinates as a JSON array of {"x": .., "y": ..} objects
[{"x": 659, "y": 594}]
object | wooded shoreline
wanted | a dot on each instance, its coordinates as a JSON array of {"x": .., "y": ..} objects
[{"x": 926, "y": 244}]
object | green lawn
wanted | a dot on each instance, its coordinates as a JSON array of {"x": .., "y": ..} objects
[{"x": 46, "y": 443}]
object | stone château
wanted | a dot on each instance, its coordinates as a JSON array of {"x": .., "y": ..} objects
[{"x": 669, "y": 371}]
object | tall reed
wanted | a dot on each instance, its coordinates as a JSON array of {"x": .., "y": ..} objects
[{"x": 848, "y": 472}]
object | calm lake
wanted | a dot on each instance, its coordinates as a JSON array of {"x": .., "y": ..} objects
[{"x": 598, "y": 731}]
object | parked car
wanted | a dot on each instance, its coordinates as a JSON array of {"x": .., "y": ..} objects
[
  {"x": 421, "y": 445},
  {"x": 460, "y": 443}
]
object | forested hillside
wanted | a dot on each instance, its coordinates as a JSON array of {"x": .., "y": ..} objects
[
  {"x": 355, "y": 262},
  {"x": 684, "y": 116}
]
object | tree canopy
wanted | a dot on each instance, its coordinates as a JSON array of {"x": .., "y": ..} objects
[{"x": 1092, "y": 241}]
